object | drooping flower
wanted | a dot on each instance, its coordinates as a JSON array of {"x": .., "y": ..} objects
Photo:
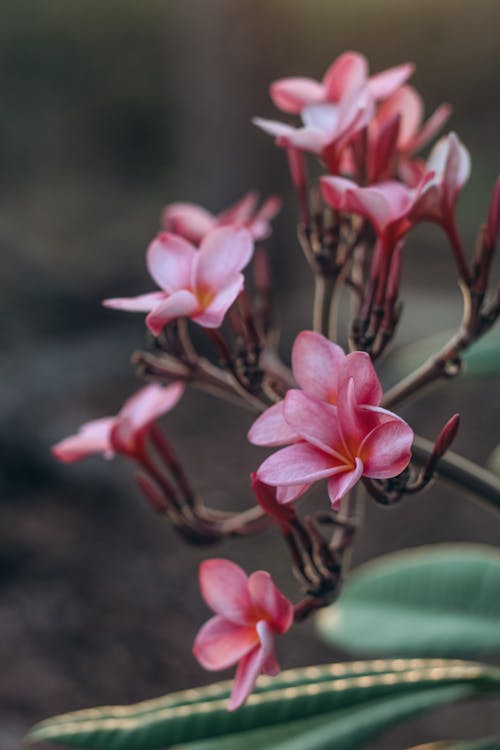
[
  {"x": 388, "y": 205},
  {"x": 250, "y": 611},
  {"x": 347, "y": 72},
  {"x": 194, "y": 222},
  {"x": 200, "y": 284},
  {"x": 327, "y": 126},
  {"x": 333, "y": 427},
  {"x": 127, "y": 431}
]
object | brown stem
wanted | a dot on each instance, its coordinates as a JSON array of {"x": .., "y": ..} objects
[
  {"x": 324, "y": 287},
  {"x": 462, "y": 473}
]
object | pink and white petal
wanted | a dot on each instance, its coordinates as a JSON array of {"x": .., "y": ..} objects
[
  {"x": 213, "y": 315},
  {"x": 241, "y": 212},
  {"x": 224, "y": 587},
  {"x": 297, "y": 464},
  {"x": 92, "y": 437},
  {"x": 323, "y": 117},
  {"x": 458, "y": 167},
  {"x": 385, "y": 83},
  {"x": 335, "y": 190},
  {"x": 354, "y": 112},
  {"x": 367, "y": 387},
  {"x": 347, "y": 72},
  {"x": 316, "y": 422},
  {"x": 340, "y": 484},
  {"x": 170, "y": 259},
  {"x": 316, "y": 363},
  {"x": 285, "y": 495},
  {"x": 266, "y": 635},
  {"x": 293, "y": 94},
  {"x": 187, "y": 220},
  {"x": 150, "y": 403},
  {"x": 432, "y": 126},
  {"x": 141, "y": 303},
  {"x": 271, "y": 428},
  {"x": 260, "y": 224},
  {"x": 274, "y": 127},
  {"x": 249, "y": 668},
  {"x": 223, "y": 253},
  {"x": 408, "y": 104},
  {"x": 386, "y": 451},
  {"x": 220, "y": 643},
  {"x": 181, "y": 304},
  {"x": 310, "y": 139},
  {"x": 269, "y": 600}
]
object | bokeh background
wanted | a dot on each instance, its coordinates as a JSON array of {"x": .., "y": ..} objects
[{"x": 107, "y": 112}]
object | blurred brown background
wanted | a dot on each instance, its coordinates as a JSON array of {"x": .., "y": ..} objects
[{"x": 108, "y": 111}]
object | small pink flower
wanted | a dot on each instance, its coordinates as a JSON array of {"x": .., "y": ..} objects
[
  {"x": 125, "y": 433},
  {"x": 448, "y": 168},
  {"x": 388, "y": 205},
  {"x": 334, "y": 427},
  {"x": 347, "y": 72},
  {"x": 327, "y": 127},
  {"x": 197, "y": 284},
  {"x": 249, "y": 613},
  {"x": 194, "y": 222}
]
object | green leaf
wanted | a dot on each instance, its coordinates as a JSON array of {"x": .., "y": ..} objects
[
  {"x": 441, "y": 600},
  {"x": 347, "y": 729},
  {"x": 296, "y": 694}
]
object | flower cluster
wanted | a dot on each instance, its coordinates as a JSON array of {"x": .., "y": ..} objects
[{"x": 327, "y": 415}]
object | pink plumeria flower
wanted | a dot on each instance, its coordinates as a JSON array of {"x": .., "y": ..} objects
[
  {"x": 327, "y": 127},
  {"x": 347, "y": 72},
  {"x": 200, "y": 284},
  {"x": 194, "y": 222},
  {"x": 126, "y": 433},
  {"x": 449, "y": 169},
  {"x": 334, "y": 427},
  {"x": 388, "y": 205},
  {"x": 250, "y": 611}
]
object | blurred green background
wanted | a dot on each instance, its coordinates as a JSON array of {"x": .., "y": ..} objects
[{"x": 109, "y": 110}]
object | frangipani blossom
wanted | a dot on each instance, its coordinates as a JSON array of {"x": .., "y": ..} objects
[
  {"x": 124, "y": 433},
  {"x": 327, "y": 127},
  {"x": 200, "y": 284},
  {"x": 388, "y": 205},
  {"x": 334, "y": 427},
  {"x": 347, "y": 72},
  {"x": 449, "y": 169},
  {"x": 194, "y": 222},
  {"x": 249, "y": 612}
]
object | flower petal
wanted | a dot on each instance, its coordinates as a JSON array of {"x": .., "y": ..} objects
[
  {"x": 220, "y": 643},
  {"x": 386, "y": 451},
  {"x": 293, "y": 94},
  {"x": 268, "y": 599},
  {"x": 271, "y": 428},
  {"x": 316, "y": 422},
  {"x": 383, "y": 84},
  {"x": 178, "y": 305},
  {"x": 347, "y": 72},
  {"x": 213, "y": 315},
  {"x": 223, "y": 253},
  {"x": 187, "y": 220},
  {"x": 315, "y": 364},
  {"x": 240, "y": 213},
  {"x": 285, "y": 495},
  {"x": 249, "y": 668},
  {"x": 432, "y": 126},
  {"x": 92, "y": 437},
  {"x": 297, "y": 464},
  {"x": 141, "y": 303},
  {"x": 170, "y": 259},
  {"x": 224, "y": 587},
  {"x": 150, "y": 402},
  {"x": 359, "y": 367},
  {"x": 340, "y": 484},
  {"x": 407, "y": 103}
]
